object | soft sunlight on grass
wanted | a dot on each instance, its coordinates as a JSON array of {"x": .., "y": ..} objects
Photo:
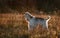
[{"x": 15, "y": 26}]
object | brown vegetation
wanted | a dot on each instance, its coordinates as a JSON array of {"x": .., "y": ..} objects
[{"x": 14, "y": 26}]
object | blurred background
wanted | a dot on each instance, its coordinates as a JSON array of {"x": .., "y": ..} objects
[
  {"x": 48, "y": 6},
  {"x": 13, "y": 24}
]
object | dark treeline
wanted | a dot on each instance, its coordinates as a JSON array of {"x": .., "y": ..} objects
[{"x": 19, "y": 5}]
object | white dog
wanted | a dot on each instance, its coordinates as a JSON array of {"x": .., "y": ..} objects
[{"x": 34, "y": 21}]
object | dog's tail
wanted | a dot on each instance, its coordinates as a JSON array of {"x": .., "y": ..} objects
[{"x": 49, "y": 17}]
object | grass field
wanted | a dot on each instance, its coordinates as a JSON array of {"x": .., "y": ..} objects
[{"x": 15, "y": 26}]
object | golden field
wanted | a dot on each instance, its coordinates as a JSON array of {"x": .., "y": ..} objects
[{"x": 15, "y": 26}]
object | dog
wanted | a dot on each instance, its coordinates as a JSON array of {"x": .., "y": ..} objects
[{"x": 34, "y": 21}]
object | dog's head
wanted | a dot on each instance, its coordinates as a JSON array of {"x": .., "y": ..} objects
[{"x": 28, "y": 16}]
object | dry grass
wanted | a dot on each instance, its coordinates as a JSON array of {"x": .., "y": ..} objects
[{"x": 14, "y": 26}]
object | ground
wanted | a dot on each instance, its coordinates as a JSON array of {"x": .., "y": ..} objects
[{"x": 15, "y": 26}]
